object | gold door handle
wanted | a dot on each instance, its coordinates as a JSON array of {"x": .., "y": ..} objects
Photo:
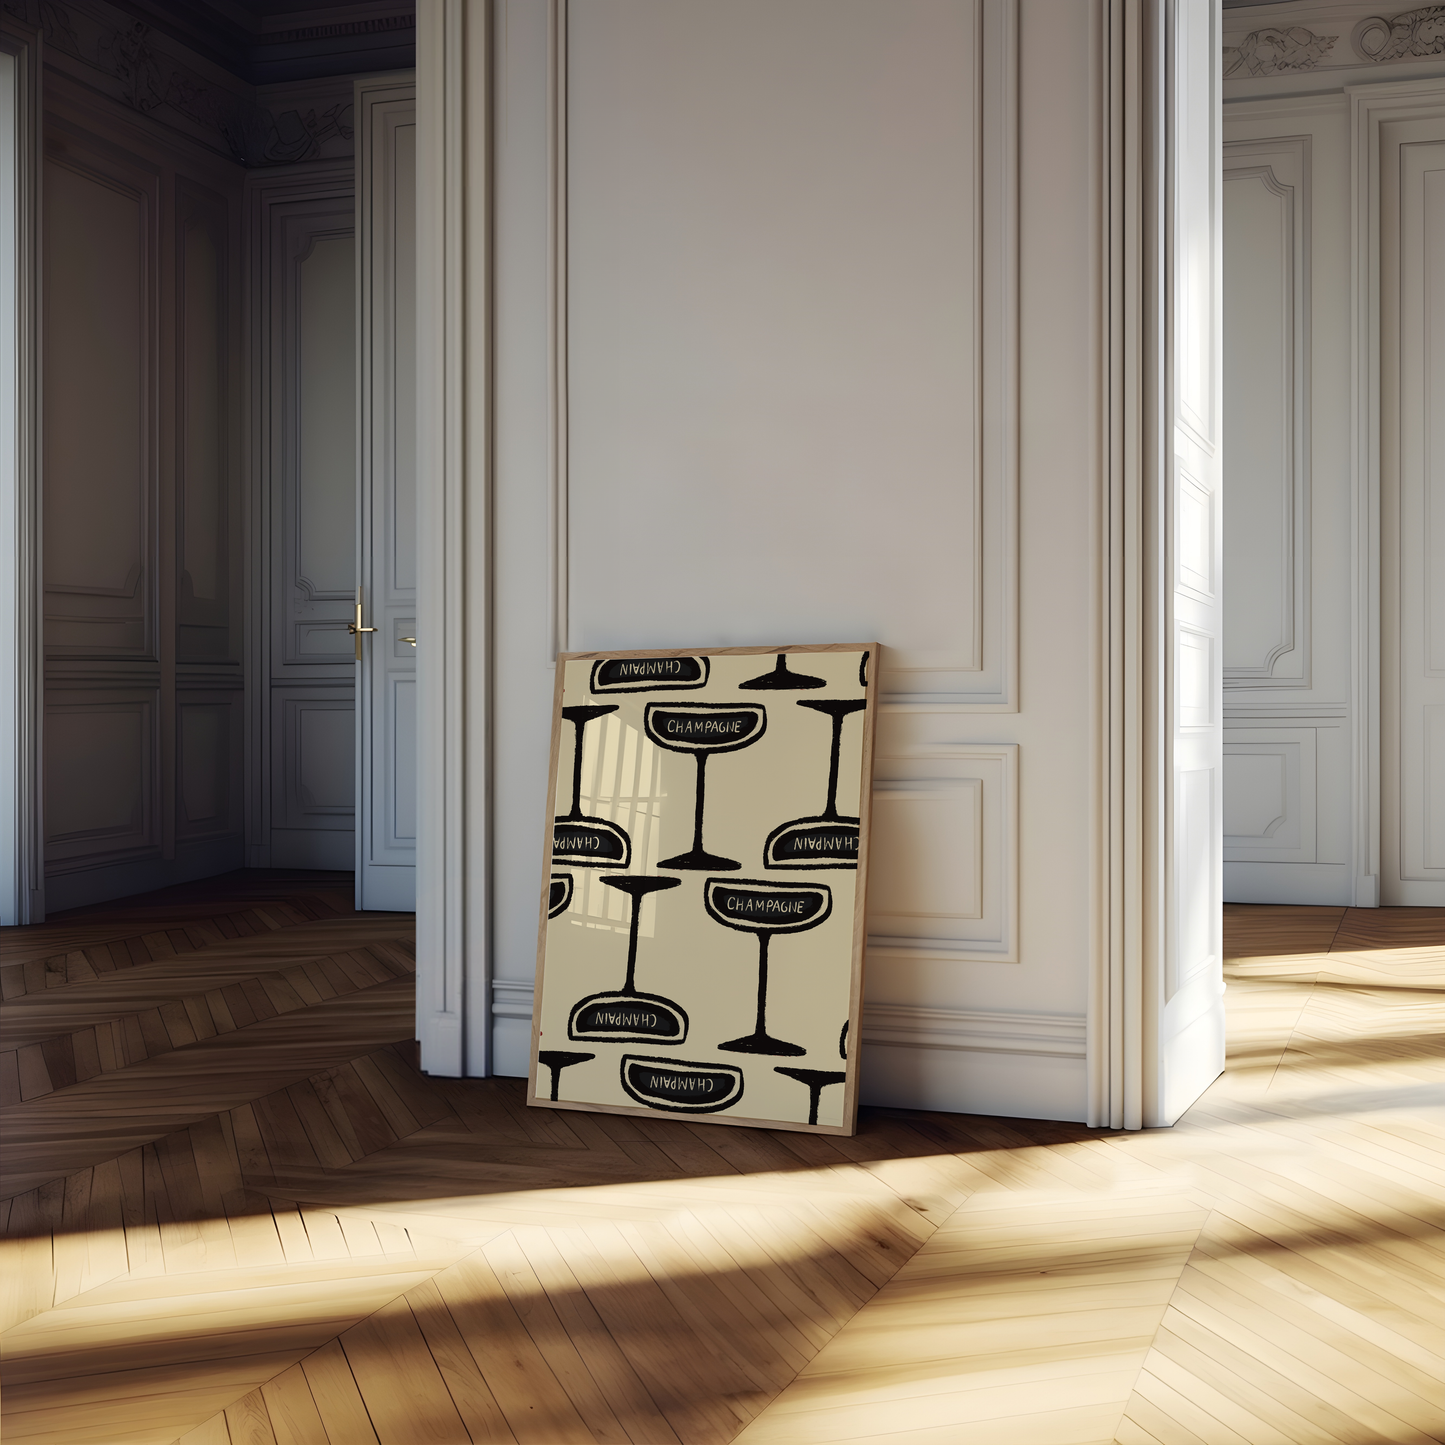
[
  {"x": 411, "y": 640},
  {"x": 355, "y": 628}
]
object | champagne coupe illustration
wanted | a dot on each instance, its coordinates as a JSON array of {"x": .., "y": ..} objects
[
  {"x": 815, "y": 1080},
  {"x": 827, "y": 840},
  {"x": 703, "y": 728},
  {"x": 765, "y": 906},
  {"x": 558, "y": 1059},
  {"x": 592, "y": 842},
  {"x": 783, "y": 679},
  {"x": 627, "y": 1016},
  {"x": 559, "y": 893}
]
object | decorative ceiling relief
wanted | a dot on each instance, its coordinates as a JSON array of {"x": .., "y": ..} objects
[
  {"x": 1409, "y": 35},
  {"x": 158, "y": 77},
  {"x": 1273, "y": 51}
]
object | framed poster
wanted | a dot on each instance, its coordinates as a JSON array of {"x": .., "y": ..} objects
[{"x": 700, "y": 951}]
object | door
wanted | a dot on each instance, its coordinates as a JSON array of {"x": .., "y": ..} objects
[
  {"x": 1412, "y": 513},
  {"x": 1189, "y": 1016},
  {"x": 385, "y": 625}
]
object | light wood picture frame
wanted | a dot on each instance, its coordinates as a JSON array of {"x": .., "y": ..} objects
[{"x": 681, "y": 982}]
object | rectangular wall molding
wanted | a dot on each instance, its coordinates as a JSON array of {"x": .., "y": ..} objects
[
  {"x": 943, "y": 882},
  {"x": 973, "y": 663},
  {"x": 102, "y": 425},
  {"x": 1267, "y": 232},
  {"x": 102, "y": 795},
  {"x": 1270, "y": 795}
]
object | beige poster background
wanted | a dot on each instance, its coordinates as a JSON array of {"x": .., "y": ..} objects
[{"x": 684, "y": 956}]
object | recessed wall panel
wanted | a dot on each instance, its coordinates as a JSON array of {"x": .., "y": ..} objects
[
  {"x": 1266, "y": 404},
  {"x": 208, "y": 754},
  {"x": 326, "y": 417},
  {"x": 100, "y": 751},
  {"x": 98, "y": 445},
  {"x": 203, "y": 591},
  {"x": 773, "y": 327}
]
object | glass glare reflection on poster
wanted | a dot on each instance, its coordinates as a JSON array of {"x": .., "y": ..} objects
[{"x": 702, "y": 903}]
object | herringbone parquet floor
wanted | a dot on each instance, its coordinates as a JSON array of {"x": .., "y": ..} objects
[{"x": 236, "y": 1214}]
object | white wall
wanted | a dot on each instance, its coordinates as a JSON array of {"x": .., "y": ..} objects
[
  {"x": 788, "y": 340},
  {"x": 1306, "y": 783},
  {"x": 816, "y": 322},
  {"x": 142, "y": 504}
]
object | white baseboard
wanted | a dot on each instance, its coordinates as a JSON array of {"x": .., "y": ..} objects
[
  {"x": 1289, "y": 883},
  {"x": 1024, "y": 1066},
  {"x": 326, "y": 848},
  {"x": 120, "y": 880},
  {"x": 961, "y": 1080}
]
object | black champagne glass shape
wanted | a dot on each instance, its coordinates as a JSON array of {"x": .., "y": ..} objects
[
  {"x": 559, "y": 893},
  {"x": 681, "y": 1086},
  {"x": 827, "y": 840},
  {"x": 702, "y": 729},
  {"x": 766, "y": 906},
  {"x": 816, "y": 1081},
  {"x": 649, "y": 674},
  {"x": 627, "y": 1016},
  {"x": 576, "y": 838},
  {"x": 783, "y": 679},
  {"x": 558, "y": 1059}
]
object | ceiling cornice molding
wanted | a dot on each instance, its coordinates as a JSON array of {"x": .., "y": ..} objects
[
  {"x": 1349, "y": 41},
  {"x": 155, "y": 76}
]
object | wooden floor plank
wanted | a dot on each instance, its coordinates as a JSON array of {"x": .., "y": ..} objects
[
  {"x": 387, "y": 1348},
  {"x": 295, "y": 1420},
  {"x": 470, "y": 1393},
  {"x": 234, "y": 1208},
  {"x": 338, "y": 1400}
]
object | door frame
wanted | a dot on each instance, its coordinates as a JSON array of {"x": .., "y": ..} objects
[
  {"x": 22, "y": 855},
  {"x": 454, "y": 473}
]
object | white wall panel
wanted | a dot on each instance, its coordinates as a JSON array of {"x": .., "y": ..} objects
[
  {"x": 945, "y": 882},
  {"x": 766, "y": 358},
  {"x": 207, "y": 498},
  {"x": 1412, "y": 504},
  {"x": 687, "y": 233},
  {"x": 101, "y": 783},
  {"x": 100, "y": 328},
  {"x": 209, "y": 764},
  {"x": 141, "y": 341},
  {"x": 1271, "y": 788},
  {"x": 1292, "y": 659},
  {"x": 1266, "y": 398}
]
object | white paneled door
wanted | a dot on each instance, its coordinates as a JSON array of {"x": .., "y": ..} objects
[
  {"x": 1412, "y": 511},
  {"x": 386, "y": 645}
]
